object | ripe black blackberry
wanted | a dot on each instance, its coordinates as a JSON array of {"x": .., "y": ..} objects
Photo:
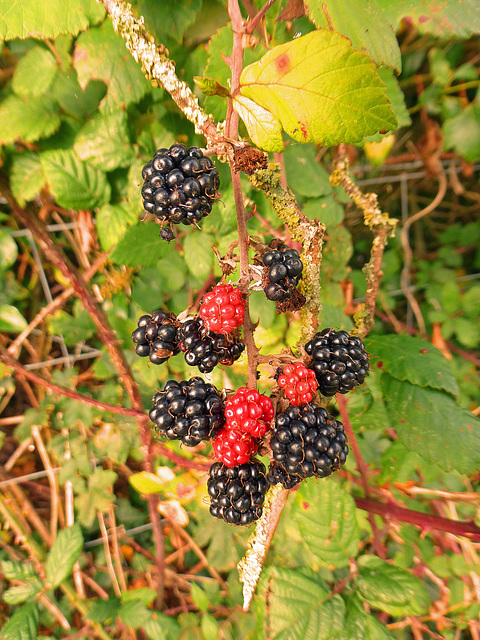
[
  {"x": 307, "y": 442},
  {"x": 277, "y": 475},
  {"x": 156, "y": 337},
  {"x": 190, "y": 411},
  {"x": 237, "y": 493},
  {"x": 283, "y": 270},
  {"x": 339, "y": 360},
  {"x": 180, "y": 185},
  {"x": 204, "y": 349}
]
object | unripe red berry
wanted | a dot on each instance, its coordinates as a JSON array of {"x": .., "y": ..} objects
[
  {"x": 223, "y": 309},
  {"x": 234, "y": 447},
  {"x": 298, "y": 383}
]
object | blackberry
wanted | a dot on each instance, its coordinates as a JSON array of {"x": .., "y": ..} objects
[
  {"x": 156, "y": 337},
  {"x": 282, "y": 272},
  {"x": 237, "y": 493},
  {"x": 204, "y": 349},
  {"x": 339, "y": 360},
  {"x": 277, "y": 475},
  {"x": 190, "y": 411},
  {"x": 180, "y": 185},
  {"x": 307, "y": 442}
]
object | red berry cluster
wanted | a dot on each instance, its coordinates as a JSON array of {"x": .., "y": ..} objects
[
  {"x": 248, "y": 415},
  {"x": 298, "y": 383},
  {"x": 222, "y": 309}
]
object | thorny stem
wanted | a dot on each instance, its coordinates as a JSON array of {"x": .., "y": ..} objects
[{"x": 380, "y": 224}]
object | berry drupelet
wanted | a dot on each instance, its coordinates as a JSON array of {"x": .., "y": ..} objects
[
  {"x": 339, "y": 360},
  {"x": 237, "y": 493},
  {"x": 307, "y": 442},
  {"x": 156, "y": 337},
  {"x": 190, "y": 411}
]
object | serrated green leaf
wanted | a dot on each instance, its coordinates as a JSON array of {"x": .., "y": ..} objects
[
  {"x": 199, "y": 597},
  {"x": 210, "y": 627},
  {"x": 462, "y": 133},
  {"x": 11, "y": 320},
  {"x": 74, "y": 100},
  {"x": 23, "y": 625},
  {"x": 169, "y": 20},
  {"x": 112, "y": 221},
  {"x": 299, "y": 605},
  {"x": 26, "y": 177},
  {"x": 399, "y": 463},
  {"x": 390, "y": 588},
  {"x": 100, "y": 54},
  {"x": 412, "y": 359},
  {"x": 143, "y": 594},
  {"x": 263, "y": 128},
  {"x": 104, "y": 141},
  {"x": 431, "y": 423},
  {"x": 34, "y": 73},
  {"x": 359, "y": 625},
  {"x": 8, "y": 250},
  {"x": 198, "y": 254},
  {"x": 363, "y": 23},
  {"x": 161, "y": 627},
  {"x": 27, "y": 118},
  {"x": 64, "y": 553},
  {"x": 304, "y": 173},
  {"x": 15, "y": 570},
  {"x": 98, "y": 497},
  {"x": 141, "y": 245},
  {"x": 146, "y": 483},
  {"x": 326, "y": 209},
  {"x": 74, "y": 329},
  {"x": 396, "y": 97},
  {"x": 73, "y": 183},
  {"x": 210, "y": 87},
  {"x": 439, "y": 17},
  {"x": 46, "y": 18},
  {"x": 134, "y": 614},
  {"x": 21, "y": 593},
  {"x": 320, "y": 89},
  {"x": 326, "y": 518},
  {"x": 104, "y": 611}
]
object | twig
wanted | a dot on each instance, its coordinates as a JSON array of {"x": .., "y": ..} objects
[
  {"x": 70, "y": 518},
  {"x": 55, "y": 509},
  {"x": 108, "y": 556}
]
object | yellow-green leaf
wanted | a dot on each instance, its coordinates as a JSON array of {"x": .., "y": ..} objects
[
  {"x": 147, "y": 483},
  {"x": 320, "y": 89},
  {"x": 263, "y": 128}
]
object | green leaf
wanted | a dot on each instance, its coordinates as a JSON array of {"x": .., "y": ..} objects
[
  {"x": 199, "y": 597},
  {"x": 413, "y": 360},
  {"x": 146, "y": 483},
  {"x": 326, "y": 209},
  {"x": 198, "y": 254},
  {"x": 74, "y": 100},
  {"x": 439, "y": 17},
  {"x": 73, "y": 183},
  {"x": 299, "y": 605},
  {"x": 396, "y": 97},
  {"x": 17, "y": 595},
  {"x": 210, "y": 87},
  {"x": 210, "y": 627},
  {"x": 101, "y": 54},
  {"x": 34, "y": 73},
  {"x": 74, "y": 329},
  {"x": 134, "y": 614},
  {"x": 104, "y": 611},
  {"x": 143, "y": 594},
  {"x": 98, "y": 497},
  {"x": 8, "y": 250},
  {"x": 112, "y": 221},
  {"x": 304, "y": 173},
  {"x": 264, "y": 129},
  {"x": 161, "y": 627},
  {"x": 64, "y": 553},
  {"x": 46, "y": 18},
  {"x": 320, "y": 89},
  {"x": 23, "y": 624},
  {"x": 363, "y": 23},
  {"x": 169, "y": 20},
  {"x": 326, "y": 517},
  {"x": 390, "y": 588},
  {"x": 462, "y": 133},
  {"x": 27, "y": 119},
  {"x": 360, "y": 625},
  {"x": 433, "y": 424},
  {"x": 11, "y": 320},
  {"x": 16, "y": 570},
  {"x": 141, "y": 245},
  {"x": 104, "y": 141},
  {"x": 26, "y": 177}
]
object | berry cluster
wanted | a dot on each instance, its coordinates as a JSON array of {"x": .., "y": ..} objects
[
  {"x": 237, "y": 493},
  {"x": 222, "y": 309},
  {"x": 205, "y": 349},
  {"x": 339, "y": 361},
  {"x": 180, "y": 185},
  {"x": 298, "y": 383},
  {"x": 307, "y": 442},
  {"x": 156, "y": 337},
  {"x": 248, "y": 415},
  {"x": 190, "y": 411},
  {"x": 283, "y": 270}
]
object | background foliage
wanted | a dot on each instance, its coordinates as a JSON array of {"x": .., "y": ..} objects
[{"x": 388, "y": 547}]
